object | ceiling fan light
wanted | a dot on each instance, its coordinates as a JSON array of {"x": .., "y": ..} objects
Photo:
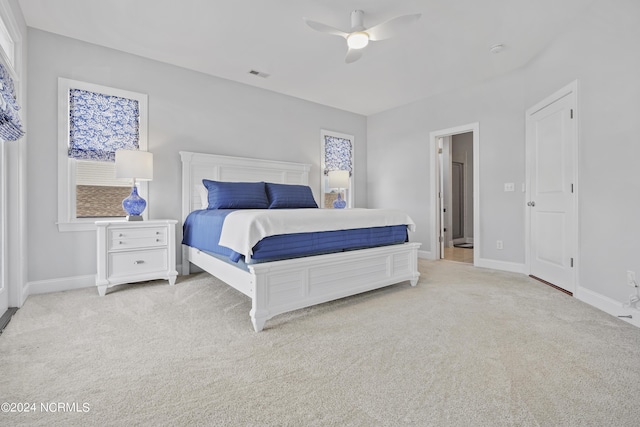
[{"x": 357, "y": 40}]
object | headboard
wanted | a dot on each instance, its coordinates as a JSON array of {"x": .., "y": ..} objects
[{"x": 196, "y": 166}]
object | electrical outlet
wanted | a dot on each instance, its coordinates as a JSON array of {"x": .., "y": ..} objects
[
  {"x": 499, "y": 244},
  {"x": 631, "y": 279},
  {"x": 509, "y": 186}
]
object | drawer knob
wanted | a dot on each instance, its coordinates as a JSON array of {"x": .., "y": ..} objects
[
  {"x": 157, "y": 232},
  {"x": 140, "y": 261},
  {"x": 120, "y": 235},
  {"x": 157, "y": 240},
  {"x": 120, "y": 242}
]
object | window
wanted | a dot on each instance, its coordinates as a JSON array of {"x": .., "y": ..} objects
[
  {"x": 94, "y": 121},
  {"x": 10, "y": 120},
  {"x": 336, "y": 155},
  {"x": 7, "y": 45},
  {"x": 98, "y": 193}
]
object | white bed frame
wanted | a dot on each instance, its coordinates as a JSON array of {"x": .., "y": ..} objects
[{"x": 282, "y": 286}]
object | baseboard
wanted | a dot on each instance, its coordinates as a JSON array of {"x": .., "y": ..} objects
[
  {"x": 608, "y": 305},
  {"x": 500, "y": 265},
  {"x": 460, "y": 241},
  {"x": 485, "y": 263},
  {"x": 426, "y": 255},
  {"x": 63, "y": 284},
  {"x": 57, "y": 285}
]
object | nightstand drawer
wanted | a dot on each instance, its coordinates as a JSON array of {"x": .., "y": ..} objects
[
  {"x": 137, "y": 262},
  {"x": 134, "y": 238}
]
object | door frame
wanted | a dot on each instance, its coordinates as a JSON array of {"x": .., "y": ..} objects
[
  {"x": 440, "y": 142},
  {"x": 571, "y": 88},
  {"x": 3, "y": 232},
  {"x": 436, "y": 226}
]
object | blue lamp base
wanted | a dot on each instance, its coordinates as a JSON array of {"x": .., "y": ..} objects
[
  {"x": 339, "y": 203},
  {"x": 134, "y": 205}
]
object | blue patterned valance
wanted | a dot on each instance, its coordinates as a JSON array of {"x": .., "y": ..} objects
[
  {"x": 10, "y": 125},
  {"x": 100, "y": 124},
  {"x": 337, "y": 154}
]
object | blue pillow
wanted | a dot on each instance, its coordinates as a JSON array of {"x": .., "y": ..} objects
[
  {"x": 285, "y": 196},
  {"x": 236, "y": 195}
]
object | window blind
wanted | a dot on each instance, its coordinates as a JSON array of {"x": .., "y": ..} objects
[
  {"x": 100, "y": 124},
  {"x": 337, "y": 154},
  {"x": 10, "y": 124}
]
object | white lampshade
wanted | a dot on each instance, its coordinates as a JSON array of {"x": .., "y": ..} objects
[
  {"x": 338, "y": 179},
  {"x": 134, "y": 164}
]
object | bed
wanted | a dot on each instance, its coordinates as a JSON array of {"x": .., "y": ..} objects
[{"x": 280, "y": 286}]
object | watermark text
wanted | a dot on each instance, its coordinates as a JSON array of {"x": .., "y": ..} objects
[{"x": 47, "y": 407}]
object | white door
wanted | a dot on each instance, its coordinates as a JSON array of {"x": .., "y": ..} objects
[{"x": 551, "y": 148}]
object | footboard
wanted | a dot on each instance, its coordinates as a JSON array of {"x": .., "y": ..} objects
[{"x": 284, "y": 286}]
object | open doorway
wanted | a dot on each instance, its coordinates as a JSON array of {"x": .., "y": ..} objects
[{"x": 456, "y": 197}]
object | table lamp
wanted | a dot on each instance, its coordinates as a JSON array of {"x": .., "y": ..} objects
[
  {"x": 134, "y": 165},
  {"x": 340, "y": 180}
]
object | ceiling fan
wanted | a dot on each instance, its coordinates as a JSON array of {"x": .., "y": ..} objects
[{"x": 359, "y": 36}]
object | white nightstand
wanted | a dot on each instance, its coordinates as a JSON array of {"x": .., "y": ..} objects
[{"x": 134, "y": 251}]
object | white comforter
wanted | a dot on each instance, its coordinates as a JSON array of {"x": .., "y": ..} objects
[{"x": 242, "y": 229}]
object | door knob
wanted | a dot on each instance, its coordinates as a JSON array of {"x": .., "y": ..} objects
[{"x": 532, "y": 204}]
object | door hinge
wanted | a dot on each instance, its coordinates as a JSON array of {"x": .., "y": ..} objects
[
  {"x": 572, "y": 188},
  {"x": 572, "y": 113},
  {"x": 571, "y": 262},
  {"x": 439, "y": 150},
  {"x": 440, "y": 239}
]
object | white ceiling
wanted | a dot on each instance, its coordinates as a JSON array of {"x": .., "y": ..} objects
[{"x": 447, "y": 48}]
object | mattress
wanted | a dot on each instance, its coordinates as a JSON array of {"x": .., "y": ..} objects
[{"x": 202, "y": 230}]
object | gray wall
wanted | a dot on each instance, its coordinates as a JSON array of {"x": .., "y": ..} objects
[
  {"x": 399, "y": 159},
  {"x": 600, "y": 50},
  {"x": 187, "y": 111}
]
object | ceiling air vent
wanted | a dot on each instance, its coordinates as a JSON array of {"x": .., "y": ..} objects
[{"x": 259, "y": 74}]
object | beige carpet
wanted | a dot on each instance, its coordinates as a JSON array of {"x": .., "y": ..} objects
[{"x": 466, "y": 347}]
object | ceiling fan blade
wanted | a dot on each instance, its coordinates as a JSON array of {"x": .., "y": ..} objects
[
  {"x": 391, "y": 27},
  {"x": 353, "y": 55},
  {"x": 323, "y": 28}
]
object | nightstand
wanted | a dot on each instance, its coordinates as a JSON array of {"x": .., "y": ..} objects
[{"x": 135, "y": 251}]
